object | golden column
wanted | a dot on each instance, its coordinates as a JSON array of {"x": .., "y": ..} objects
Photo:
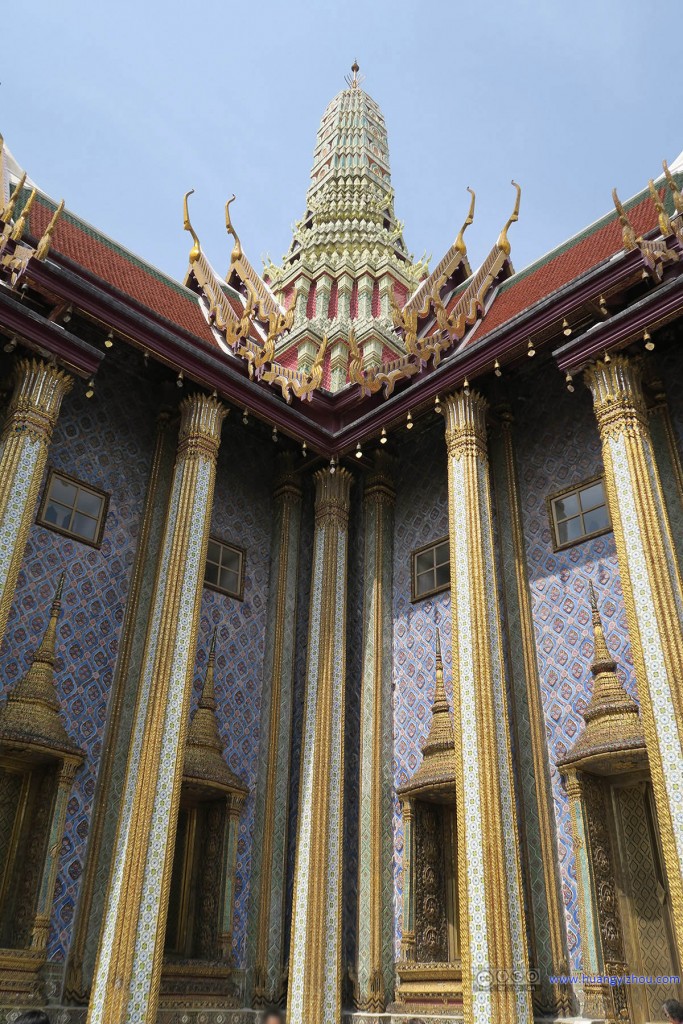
[
  {"x": 314, "y": 992},
  {"x": 33, "y": 410},
  {"x": 653, "y": 596},
  {"x": 269, "y": 864},
  {"x": 492, "y": 925},
  {"x": 127, "y": 973},
  {"x": 374, "y": 956}
]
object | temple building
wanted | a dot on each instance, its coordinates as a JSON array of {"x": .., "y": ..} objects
[{"x": 341, "y": 613}]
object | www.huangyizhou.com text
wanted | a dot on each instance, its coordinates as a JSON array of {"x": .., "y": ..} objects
[{"x": 615, "y": 979}]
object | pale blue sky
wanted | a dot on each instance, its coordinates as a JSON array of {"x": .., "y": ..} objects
[{"x": 120, "y": 107}]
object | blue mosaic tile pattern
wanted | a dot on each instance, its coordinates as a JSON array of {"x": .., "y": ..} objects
[
  {"x": 421, "y": 516},
  {"x": 557, "y": 446},
  {"x": 241, "y": 516},
  {"x": 107, "y": 442}
]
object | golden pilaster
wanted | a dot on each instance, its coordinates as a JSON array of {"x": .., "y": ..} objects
[
  {"x": 547, "y": 910},
  {"x": 269, "y": 863},
  {"x": 127, "y": 973},
  {"x": 89, "y": 908},
  {"x": 33, "y": 410},
  {"x": 375, "y": 885},
  {"x": 492, "y": 924},
  {"x": 314, "y": 993},
  {"x": 652, "y": 594}
]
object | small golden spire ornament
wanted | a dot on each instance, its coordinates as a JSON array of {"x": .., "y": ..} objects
[{"x": 31, "y": 714}]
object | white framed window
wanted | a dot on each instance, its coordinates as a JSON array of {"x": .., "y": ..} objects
[
  {"x": 73, "y": 508},
  {"x": 578, "y": 513},
  {"x": 224, "y": 570},
  {"x": 431, "y": 569}
]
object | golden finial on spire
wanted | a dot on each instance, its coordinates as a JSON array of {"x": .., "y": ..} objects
[
  {"x": 8, "y": 209},
  {"x": 236, "y": 253},
  {"x": 662, "y": 215},
  {"x": 354, "y": 79},
  {"x": 18, "y": 229},
  {"x": 460, "y": 240},
  {"x": 46, "y": 240},
  {"x": 187, "y": 225},
  {"x": 673, "y": 187},
  {"x": 503, "y": 243},
  {"x": 600, "y": 651},
  {"x": 628, "y": 234}
]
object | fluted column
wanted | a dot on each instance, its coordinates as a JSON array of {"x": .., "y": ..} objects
[
  {"x": 314, "y": 993},
  {"x": 46, "y": 891},
  {"x": 408, "y": 924},
  {"x": 33, "y": 410},
  {"x": 127, "y": 972},
  {"x": 269, "y": 857},
  {"x": 652, "y": 594},
  {"x": 492, "y": 925},
  {"x": 375, "y": 875}
]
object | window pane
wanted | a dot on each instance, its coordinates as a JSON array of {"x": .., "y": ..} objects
[
  {"x": 442, "y": 554},
  {"x": 84, "y": 526},
  {"x": 570, "y": 529},
  {"x": 229, "y": 581},
  {"x": 62, "y": 491},
  {"x": 58, "y": 515},
  {"x": 592, "y": 496},
  {"x": 596, "y": 519},
  {"x": 213, "y": 552},
  {"x": 568, "y": 506},
  {"x": 443, "y": 575},
  {"x": 89, "y": 503},
  {"x": 211, "y": 573},
  {"x": 424, "y": 582},
  {"x": 231, "y": 559},
  {"x": 425, "y": 560}
]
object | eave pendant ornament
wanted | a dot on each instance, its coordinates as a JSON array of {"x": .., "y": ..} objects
[{"x": 243, "y": 309}]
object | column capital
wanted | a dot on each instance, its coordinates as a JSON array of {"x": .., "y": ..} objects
[
  {"x": 201, "y": 419},
  {"x": 380, "y": 485},
  {"x": 39, "y": 388},
  {"x": 332, "y": 495},
  {"x": 617, "y": 390},
  {"x": 287, "y": 483},
  {"x": 465, "y": 414}
]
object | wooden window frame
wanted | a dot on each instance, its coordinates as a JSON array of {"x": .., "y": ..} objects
[
  {"x": 243, "y": 558},
  {"x": 96, "y": 542},
  {"x": 414, "y": 596},
  {"x": 565, "y": 492}
]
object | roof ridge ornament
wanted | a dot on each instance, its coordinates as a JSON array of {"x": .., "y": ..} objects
[
  {"x": 459, "y": 243},
  {"x": 503, "y": 242},
  {"x": 236, "y": 253},
  {"x": 675, "y": 192},
  {"x": 196, "y": 249}
]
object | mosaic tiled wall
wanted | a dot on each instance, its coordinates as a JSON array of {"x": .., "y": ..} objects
[
  {"x": 107, "y": 442},
  {"x": 557, "y": 446},
  {"x": 241, "y": 516},
  {"x": 421, "y": 516}
]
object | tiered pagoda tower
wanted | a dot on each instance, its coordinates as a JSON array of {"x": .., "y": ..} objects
[{"x": 348, "y": 257}]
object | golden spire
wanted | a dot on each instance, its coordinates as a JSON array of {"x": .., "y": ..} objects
[
  {"x": 662, "y": 216},
  {"x": 437, "y": 770},
  {"x": 46, "y": 240},
  {"x": 613, "y": 728},
  {"x": 673, "y": 187},
  {"x": 204, "y": 761},
  {"x": 31, "y": 714},
  {"x": 18, "y": 229},
  {"x": 503, "y": 242}
]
